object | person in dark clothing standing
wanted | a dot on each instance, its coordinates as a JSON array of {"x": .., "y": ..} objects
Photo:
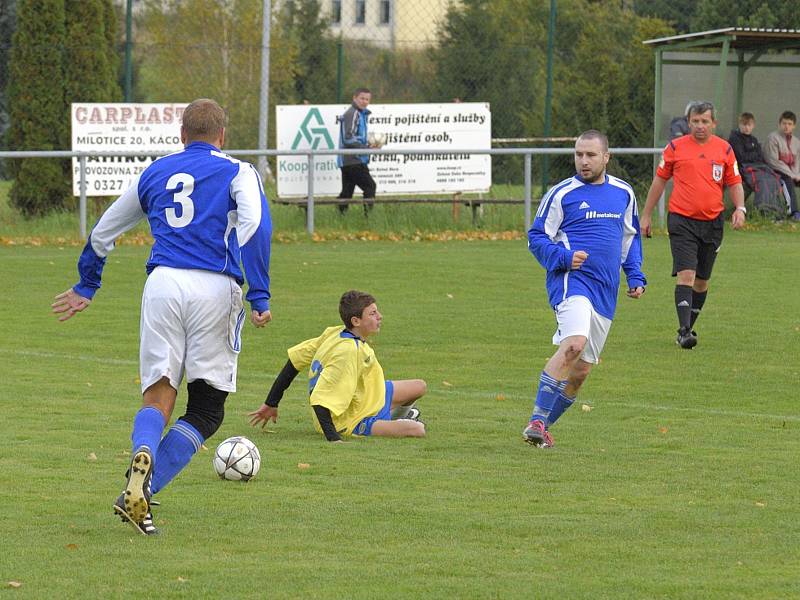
[{"x": 355, "y": 167}]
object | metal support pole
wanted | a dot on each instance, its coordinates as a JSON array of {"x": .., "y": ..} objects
[
  {"x": 339, "y": 70},
  {"x": 527, "y": 191},
  {"x": 129, "y": 51},
  {"x": 263, "y": 108},
  {"x": 657, "y": 127},
  {"x": 741, "y": 67},
  {"x": 548, "y": 97},
  {"x": 82, "y": 163},
  {"x": 310, "y": 202},
  {"x": 723, "y": 71}
]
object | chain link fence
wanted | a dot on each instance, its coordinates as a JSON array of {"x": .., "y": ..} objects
[
  {"x": 413, "y": 51},
  {"x": 416, "y": 51}
]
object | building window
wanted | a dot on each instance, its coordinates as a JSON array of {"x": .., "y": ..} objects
[
  {"x": 386, "y": 12},
  {"x": 336, "y": 12},
  {"x": 361, "y": 12}
]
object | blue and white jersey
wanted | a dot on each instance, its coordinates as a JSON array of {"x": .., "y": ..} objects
[
  {"x": 353, "y": 134},
  {"x": 603, "y": 221},
  {"x": 206, "y": 211}
]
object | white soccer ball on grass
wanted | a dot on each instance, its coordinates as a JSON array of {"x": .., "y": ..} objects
[{"x": 237, "y": 459}]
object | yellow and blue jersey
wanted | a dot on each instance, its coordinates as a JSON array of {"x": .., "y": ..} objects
[{"x": 344, "y": 376}]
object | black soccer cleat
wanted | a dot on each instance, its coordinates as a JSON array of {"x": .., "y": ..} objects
[
  {"x": 136, "y": 496},
  {"x": 145, "y": 526},
  {"x": 687, "y": 339}
]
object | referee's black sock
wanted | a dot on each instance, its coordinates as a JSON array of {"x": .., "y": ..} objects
[
  {"x": 698, "y": 299},
  {"x": 683, "y": 305}
]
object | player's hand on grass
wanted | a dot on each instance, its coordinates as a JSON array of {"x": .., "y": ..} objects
[
  {"x": 260, "y": 319},
  {"x": 68, "y": 303},
  {"x": 578, "y": 258},
  {"x": 635, "y": 292},
  {"x": 263, "y": 415}
]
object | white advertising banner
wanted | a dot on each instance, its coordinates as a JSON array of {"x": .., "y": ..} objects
[
  {"x": 426, "y": 129},
  {"x": 121, "y": 126}
]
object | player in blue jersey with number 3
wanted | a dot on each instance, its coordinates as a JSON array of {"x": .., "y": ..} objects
[
  {"x": 586, "y": 229},
  {"x": 209, "y": 217}
]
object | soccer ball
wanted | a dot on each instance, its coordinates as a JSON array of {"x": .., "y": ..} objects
[
  {"x": 237, "y": 459},
  {"x": 377, "y": 139}
]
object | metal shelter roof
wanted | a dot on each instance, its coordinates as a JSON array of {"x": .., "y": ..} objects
[
  {"x": 739, "y": 38},
  {"x": 738, "y": 47}
]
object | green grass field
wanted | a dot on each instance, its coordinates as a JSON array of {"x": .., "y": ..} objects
[{"x": 680, "y": 482}]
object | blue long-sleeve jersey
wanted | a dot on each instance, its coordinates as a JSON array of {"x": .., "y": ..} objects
[
  {"x": 353, "y": 134},
  {"x": 603, "y": 221},
  {"x": 206, "y": 211}
]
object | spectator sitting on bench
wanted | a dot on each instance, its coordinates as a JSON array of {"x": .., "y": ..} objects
[
  {"x": 782, "y": 152},
  {"x": 757, "y": 176}
]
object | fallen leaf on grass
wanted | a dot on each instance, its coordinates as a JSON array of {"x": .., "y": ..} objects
[
  {"x": 92, "y": 456},
  {"x": 14, "y": 584},
  {"x": 88, "y": 384},
  {"x": 447, "y": 384},
  {"x": 586, "y": 407},
  {"x": 500, "y": 397},
  {"x": 203, "y": 447},
  {"x": 663, "y": 430},
  {"x": 71, "y": 546},
  {"x": 182, "y": 580},
  {"x": 450, "y": 296},
  {"x": 303, "y": 466},
  {"x": 761, "y": 504}
]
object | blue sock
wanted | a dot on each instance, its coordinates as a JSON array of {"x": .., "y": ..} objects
[
  {"x": 549, "y": 389},
  {"x": 174, "y": 453},
  {"x": 147, "y": 427},
  {"x": 563, "y": 402}
]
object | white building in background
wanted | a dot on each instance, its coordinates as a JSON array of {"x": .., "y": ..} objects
[{"x": 387, "y": 23}]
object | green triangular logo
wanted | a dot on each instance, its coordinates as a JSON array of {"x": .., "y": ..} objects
[{"x": 314, "y": 135}]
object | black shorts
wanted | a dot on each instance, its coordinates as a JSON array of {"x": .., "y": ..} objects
[{"x": 694, "y": 244}]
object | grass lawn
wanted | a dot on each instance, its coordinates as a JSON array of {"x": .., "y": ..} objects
[{"x": 679, "y": 482}]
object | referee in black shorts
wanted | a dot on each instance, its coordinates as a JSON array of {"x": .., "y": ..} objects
[{"x": 701, "y": 165}]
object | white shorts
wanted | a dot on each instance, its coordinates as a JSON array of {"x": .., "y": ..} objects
[
  {"x": 576, "y": 316},
  {"x": 191, "y": 322}
]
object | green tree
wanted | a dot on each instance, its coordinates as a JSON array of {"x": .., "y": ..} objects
[
  {"x": 212, "y": 48},
  {"x": 112, "y": 48},
  {"x": 605, "y": 81},
  {"x": 89, "y": 66},
  {"x": 492, "y": 52},
  {"x": 603, "y": 74},
  {"x": 8, "y": 22},
  {"x": 36, "y": 105},
  {"x": 678, "y": 13},
  {"x": 315, "y": 50},
  {"x": 712, "y": 14}
]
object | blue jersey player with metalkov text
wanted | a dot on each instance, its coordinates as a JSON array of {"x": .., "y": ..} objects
[
  {"x": 586, "y": 228},
  {"x": 209, "y": 217}
]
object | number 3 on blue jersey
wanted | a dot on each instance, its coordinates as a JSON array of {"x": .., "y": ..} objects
[{"x": 181, "y": 197}]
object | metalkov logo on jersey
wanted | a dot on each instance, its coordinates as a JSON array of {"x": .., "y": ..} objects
[{"x": 593, "y": 214}]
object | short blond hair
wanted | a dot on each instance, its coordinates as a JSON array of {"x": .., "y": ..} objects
[{"x": 203, "y": 119}]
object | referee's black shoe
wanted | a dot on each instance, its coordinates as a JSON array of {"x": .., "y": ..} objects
[{"x": 687, "y": 339}]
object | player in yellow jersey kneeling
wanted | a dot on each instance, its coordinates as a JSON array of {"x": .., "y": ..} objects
[{"x": 347, "y": 389}]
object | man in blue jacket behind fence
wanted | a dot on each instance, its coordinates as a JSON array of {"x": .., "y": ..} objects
[{"x": 355, "y": 167}]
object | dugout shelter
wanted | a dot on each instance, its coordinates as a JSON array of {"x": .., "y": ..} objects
[{"x": 738, "y": 69}]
